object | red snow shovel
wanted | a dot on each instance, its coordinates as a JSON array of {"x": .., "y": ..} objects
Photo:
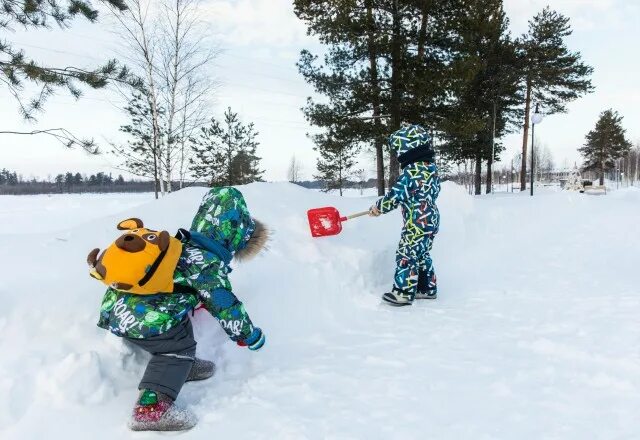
[{"x": 327, "y": 221}]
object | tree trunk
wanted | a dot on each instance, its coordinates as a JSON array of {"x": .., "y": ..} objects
[
  {"x": 396, "y": 117},
  {"x": 422, "y": 43},
  {"x": 478, "y": 176},
  {"x": 525, "y": 138},
  {"x": 466, "y": 183},
  {"x": 489, "y": 176},
  {"x": 173, "y": 86},
  {"x": 155, "y": 174},
  {"x": 229, "y": 166},
  {"x": 380, "y": 166},
  {"x": 375, "y": 97},
  {"x": 422, "y": 33},
  {"x": 636, "y": 174},
  {"x": 182, "y": 171},
  {"x": 340, "y": 162},
  {"x": 601, "y": 173}
]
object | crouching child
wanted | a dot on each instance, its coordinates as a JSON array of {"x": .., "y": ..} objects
[
  {"x": 156, "y": 280},
  {"x": 415, "y": 192}
]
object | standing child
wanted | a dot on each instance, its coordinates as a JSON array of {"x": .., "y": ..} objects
[
  {"x": 156, "y": 280},
  {"x": 416, "y": 192}
]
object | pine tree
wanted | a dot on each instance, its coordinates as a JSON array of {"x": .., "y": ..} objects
[
  {"x": 225, "y": 153},
  {"x": 18, "y": 71},
  {"x": 140, "y": 154},
  {"x": 553, "y": 75},
  {"x": 484, "y": 86},
  {"x": 605, "y": 144},
  {"x": 383, "y": 66},
  {"x": 336, "y": 162},
  {"x": 245, "y": 166}
]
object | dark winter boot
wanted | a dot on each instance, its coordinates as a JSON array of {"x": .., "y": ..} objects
[
  {"x": 427, "y": 285},
  {"x": 157, "y": 412},
  {"x": 201, "y": 370},
  {"x": 429, "y": 294},
  {"x": 397, "y": 298}
]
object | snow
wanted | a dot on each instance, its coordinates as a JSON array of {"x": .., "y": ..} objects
[
  {"x": 51, "y": 212},
  {"x": 534, "y": 335}
]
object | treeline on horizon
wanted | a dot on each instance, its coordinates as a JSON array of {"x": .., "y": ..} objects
[{"x": 12, "y": 183}]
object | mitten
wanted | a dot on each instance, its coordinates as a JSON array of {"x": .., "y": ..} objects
[{"x": 255, "y": 341}]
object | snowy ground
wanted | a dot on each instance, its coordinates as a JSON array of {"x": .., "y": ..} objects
[
  {"x": 51, "y": 212},
  {"x": 535, "y": 334}
]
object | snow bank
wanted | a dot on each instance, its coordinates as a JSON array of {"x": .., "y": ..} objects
[
  {"x": 56, "y": 212},
  {"x": 534, "y": 334}
]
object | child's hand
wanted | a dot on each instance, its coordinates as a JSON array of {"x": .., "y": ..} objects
[
  {"x": 255, "y": 341},
  {"x": 374, "y": 211}
]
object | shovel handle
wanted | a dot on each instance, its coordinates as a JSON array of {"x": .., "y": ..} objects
[{"x": 359, "y": 214}]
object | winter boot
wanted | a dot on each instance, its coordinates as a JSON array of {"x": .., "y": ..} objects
[
  {"x": 429, "y": 294},
  {"x": 201, "y": 370},
  {"x": 427, "y": 285},
  {"x": 397, "y": 298},
  {"x": 157, "y": 412}
]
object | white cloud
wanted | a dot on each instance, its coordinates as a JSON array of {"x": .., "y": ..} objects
[
  {"x": 584, "y": 14},
  {"x": 263, "y": 22}
]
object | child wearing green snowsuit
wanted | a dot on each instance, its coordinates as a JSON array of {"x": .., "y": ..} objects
[
  {"x": 415, "y": 192},
  {"x": 159, "y": 323}
]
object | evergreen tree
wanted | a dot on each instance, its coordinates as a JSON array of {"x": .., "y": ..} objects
[
  {"x": 382, "y": 67},
  {"x": 605, "y": 144},
  {"x": 18, "y": 71},
  {"x": 245, "y": 167},
  {"x": 225, "y": 153},
  {"x": 68, "y": 180},
  {"x": 8, "y": 178},
  {"x": 484, "y": 88},
  {"x": 553, "y": 75},
  {"x": 336, "y": 162},
  {"x": 16, "y": 68},
  {"x": 141, "y": 155}
]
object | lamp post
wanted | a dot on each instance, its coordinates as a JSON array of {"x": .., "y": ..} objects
[{"x": 536, "y": 118}]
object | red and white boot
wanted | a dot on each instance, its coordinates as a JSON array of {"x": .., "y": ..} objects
[{"x": 155, "y": 411}]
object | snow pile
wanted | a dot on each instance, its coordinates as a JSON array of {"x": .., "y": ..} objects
[{"x": 534, "y": 335}]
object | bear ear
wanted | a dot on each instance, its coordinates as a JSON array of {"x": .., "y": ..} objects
[
  {"x": 164, "y": 239},
  {"x": 130, "y": 223},
  {"x": 121, "y": 286},
  {"x": 92, "y": 258}
]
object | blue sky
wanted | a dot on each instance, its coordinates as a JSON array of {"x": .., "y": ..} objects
[{"x": 261, "y": 41}]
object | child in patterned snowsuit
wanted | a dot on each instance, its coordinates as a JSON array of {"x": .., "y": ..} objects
[
  {"x": 415, "y": 192},
  {"x": 159, "y": 323}
]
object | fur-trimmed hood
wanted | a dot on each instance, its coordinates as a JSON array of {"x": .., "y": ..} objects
[{"x": 256, "y": 243}]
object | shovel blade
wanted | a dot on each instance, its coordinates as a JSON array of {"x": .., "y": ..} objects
[{"x": 324, "y": 222}]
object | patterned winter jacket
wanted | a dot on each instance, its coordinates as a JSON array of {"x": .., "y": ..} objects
[
  {"x": 201, "y": 277},
  {"x": 415, "y": 192}
]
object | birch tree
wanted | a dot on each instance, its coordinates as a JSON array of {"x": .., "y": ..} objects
[
  {"x": 185, "y": 55},
  {"x": 167, "y": 45}
]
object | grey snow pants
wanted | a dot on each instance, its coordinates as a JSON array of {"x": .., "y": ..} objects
[{"x": 172, "y": 355}]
